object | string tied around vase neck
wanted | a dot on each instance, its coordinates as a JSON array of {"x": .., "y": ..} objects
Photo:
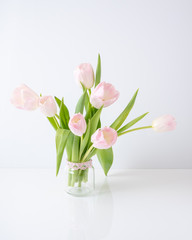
[{"x": 80, "y": 165}]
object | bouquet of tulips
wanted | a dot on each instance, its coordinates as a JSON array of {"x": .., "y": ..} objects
[{"x": 81, "y": 133}]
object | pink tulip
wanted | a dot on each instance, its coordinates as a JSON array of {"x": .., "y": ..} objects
[
  {"x": 25, "y": 98},
  {"x": 48, "y": 106},
  {"x": 104, "y": 138},
  {"x": 84, "y": 74},
  {"x": 164, "y": 123},
  {"x": 104, "y": 94},
  {"x": 77, "y": 124}
]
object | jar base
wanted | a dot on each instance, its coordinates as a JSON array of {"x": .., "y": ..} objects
[{"x": 79, "y": 191}]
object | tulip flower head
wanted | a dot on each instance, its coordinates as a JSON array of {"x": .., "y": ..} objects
[
  {"x": 77, "y": 124},
  {"x": 25, "y": 98},
  {"x": 48, "y": 106},
  {"x": 84, "y": 74},
  {"x": 104, "y": 95},
  {"x": 164, "y": 123},
  {"x": 104, "y": 138}
]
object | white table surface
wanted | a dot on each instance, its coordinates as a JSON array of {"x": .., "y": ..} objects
[{"x": 128, "y": 204}]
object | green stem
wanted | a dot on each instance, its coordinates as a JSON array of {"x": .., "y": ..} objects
[
  {"x": 90, "y": 105},
  {"x": 57, "y": 116},
  {"x": 79, "y": 184},
  {"x": 134, "y": 129},
  {"x": 69, "y": 178},
  {"x": 56, "y": 122},
  {"x": 87, "y": 153}
]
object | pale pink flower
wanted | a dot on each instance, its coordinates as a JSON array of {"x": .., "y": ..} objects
[
  {"x": 104, "y": 138},
  {"x": 48, "y": 106},
  {"x": 164, "y": 123},
  {"x": 77, "y": 124},
  {"x": 25, "y": 98},
  {"x": 84, "y": 74},
  {"x": 104, "y": 95}
]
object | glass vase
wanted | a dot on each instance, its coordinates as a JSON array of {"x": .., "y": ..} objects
[{"x": 79, "y": 178}]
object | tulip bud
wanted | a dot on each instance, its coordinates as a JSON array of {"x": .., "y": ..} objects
[
  {"x": 84, "y": 74},
  {"x": 164, "y": 123},
  {"x": 103, "y": 95},
  {"x": 48, "y": 106},
  {"x": 77, "y": 124},
  {"x": 25, "y": 98},
  {"x": 104, "y": 138}
]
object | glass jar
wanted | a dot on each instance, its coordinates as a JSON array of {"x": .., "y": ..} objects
[{"x": 79, "y": 178}]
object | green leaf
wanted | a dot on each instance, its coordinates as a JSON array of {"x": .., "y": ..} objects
[
  {"x": 88, "y": 108},
  {"x": 75, "y": 149},
  {"x": 130, "y": 124},
  {"x": 119, "y": 121},
  {"x": 52, "y": 121},
  {"x": 81, "y": 103},
  {"x": 88, "y": 114},
  {"x": 93, "y": 110},
  {"x": 99, "y": 124},
  {"x": 58, "y": 101},
  {"x": 95, "y": 120},
  {"x": 85, "y": 139},
  {"x": 64, "y": 115},
  {"x": 98, "y": 71},
  {"x": 91, "y": 154},
  {"x": 105, "y": 157},
  {"x": 61, "y": 140},
  {"x": 69, "y": 146}
]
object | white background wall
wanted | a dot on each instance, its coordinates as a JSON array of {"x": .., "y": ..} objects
[{"x": 145, "y": 44}]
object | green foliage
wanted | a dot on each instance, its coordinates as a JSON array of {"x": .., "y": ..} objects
[
  {"x": 61, "y": 140},
  {"x": 75, "y": 149},
  {"x": 87, "y": 102},
  {"x": 85, "y": 139},
  {"x": 134, "y": 129},
  {"x": 105, "y": 157},
  {"x": 130, "y": 124},
  {"x": 69, "y": 146},
  {"x": 52, "y": 121},
  {"x": 92, "y": 126},
  {"x": 119, "y": 121},
  {"x": 64, "y": 115},
  {"x": 95, "y": 120},
  {"x": 91, "y": 154},
  {"x": 98, "y": 71},
  {"x": 58, "y": 101},
  {"x": 88, "y": 108},
  {"x": 81, "y": 103}
]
